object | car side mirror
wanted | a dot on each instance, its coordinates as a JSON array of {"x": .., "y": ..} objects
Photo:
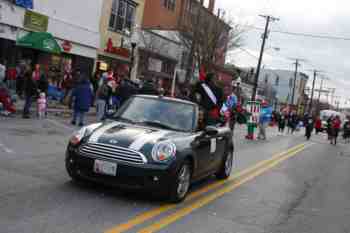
[{"x": 211, "y": 131}]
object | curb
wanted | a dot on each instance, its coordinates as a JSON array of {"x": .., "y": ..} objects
[{"x": 57, "y": 112}]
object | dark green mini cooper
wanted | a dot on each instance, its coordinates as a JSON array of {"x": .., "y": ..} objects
[{"x": 156, "y": 144}]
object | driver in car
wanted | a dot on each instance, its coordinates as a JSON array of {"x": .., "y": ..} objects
[{"x": 201, "y": 120}]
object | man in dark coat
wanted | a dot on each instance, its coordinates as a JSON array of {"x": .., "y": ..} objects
[
  {"x": 43, "y": 84},
  {"x": 30, "y": 92},
  {"x": 82, "y": 97},
  {"x": 126, "y": 89}
]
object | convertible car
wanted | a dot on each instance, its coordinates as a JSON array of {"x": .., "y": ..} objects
[{"x": 156, "y": 144}]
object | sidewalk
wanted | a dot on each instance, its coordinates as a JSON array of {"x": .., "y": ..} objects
[{"x": 54, "y": 108}]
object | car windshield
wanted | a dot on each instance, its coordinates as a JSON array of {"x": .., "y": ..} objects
[{"x": 160, "y": 113}]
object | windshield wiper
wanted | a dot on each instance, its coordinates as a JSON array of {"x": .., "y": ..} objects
[{"x": 158, "y": 124}]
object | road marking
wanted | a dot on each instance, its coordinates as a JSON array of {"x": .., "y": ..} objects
[
  {"x": 212, "y": 197},
  {"x": 143, "y": 217},
  {"x": 6, "y": 149}
]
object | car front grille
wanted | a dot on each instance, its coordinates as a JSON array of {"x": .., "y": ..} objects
[{"x": 105, "y": 151}]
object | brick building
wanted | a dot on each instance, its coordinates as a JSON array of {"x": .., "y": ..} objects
[
  {"x": 175, "y": 15},
  {"x": 170, "y": 14}
]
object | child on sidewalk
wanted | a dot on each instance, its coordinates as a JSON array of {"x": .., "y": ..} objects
[{"x": 42, "y": 105}]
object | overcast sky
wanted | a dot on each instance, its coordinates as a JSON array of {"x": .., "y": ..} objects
[{"x": 304, "y": 16}]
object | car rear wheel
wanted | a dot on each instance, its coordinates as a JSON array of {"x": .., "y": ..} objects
[
  {"x": 226, "y": 167},
  {"x": 179, "y": 190}
]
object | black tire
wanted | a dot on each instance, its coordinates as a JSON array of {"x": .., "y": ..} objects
[
  {"x": 183, "y": 175},
  {"x": 226, "y": 167},
  {"x": 71, "y": 169}
]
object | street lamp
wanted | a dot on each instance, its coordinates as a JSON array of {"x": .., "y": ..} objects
[
  {"x": 133, "y": 42},
  {"x": 236, "y": 82}
]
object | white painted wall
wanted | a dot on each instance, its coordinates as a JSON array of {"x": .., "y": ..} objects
[
  {"x": 76, "y": 20},
  {"x": 10, "y": 14}
]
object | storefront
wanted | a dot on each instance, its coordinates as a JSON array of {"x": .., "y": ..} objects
[
  {"x": 118, "y": 65},
  {"x": 117, "y": 59},
  {"x": 29, "y": 41},
  {"x": 42, "y": 48},
  {"x": 156, "y": 67}
]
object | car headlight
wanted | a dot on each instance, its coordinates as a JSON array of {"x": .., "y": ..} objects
[
  {"x": 83, "y": 132},
  {"x": 163, "y": 151}
]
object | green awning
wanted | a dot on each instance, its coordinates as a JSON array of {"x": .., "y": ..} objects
[{"x": 43, "y": 41}]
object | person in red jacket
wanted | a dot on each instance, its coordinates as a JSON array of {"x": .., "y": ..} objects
[
  {"x": 336, "y": 124},
  {"x": 318, "y": 125}
]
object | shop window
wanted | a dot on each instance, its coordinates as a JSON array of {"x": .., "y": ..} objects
[
  {"x": 168, "y": 68},
  {"x": 122, "y": 15},
  {"x": 169, "y": 4}
]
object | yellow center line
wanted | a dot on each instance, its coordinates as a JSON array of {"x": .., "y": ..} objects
[
  {"x": 209, "y": 198},
  {"x": 143, "y": 217}
]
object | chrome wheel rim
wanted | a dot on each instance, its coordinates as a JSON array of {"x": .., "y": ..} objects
[
  {"x": 228, "y": 164},
  {"x": 184, "y": 181}
]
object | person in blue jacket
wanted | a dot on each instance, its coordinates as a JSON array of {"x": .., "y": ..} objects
[
  {"x": 82, "y": 97},
  {"x": 264, "y": 119}
]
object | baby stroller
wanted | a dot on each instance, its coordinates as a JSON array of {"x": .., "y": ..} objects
[{"x": 7, "y": 106}]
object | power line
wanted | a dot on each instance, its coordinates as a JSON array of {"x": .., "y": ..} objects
[
  {"x": 249, "y": 53},
  {"x": 316, "y": 36}
]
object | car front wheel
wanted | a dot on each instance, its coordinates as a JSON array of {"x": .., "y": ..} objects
[
  {"x": 179, "y": 190},
  {"x": 71, "y": 169},
  {"x": 226, "y": 167}
]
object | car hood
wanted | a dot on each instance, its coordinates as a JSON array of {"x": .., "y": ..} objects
[{"x": 130, "y": 136}]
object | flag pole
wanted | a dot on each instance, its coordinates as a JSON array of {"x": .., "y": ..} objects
[{"x": 173, "y": 85}]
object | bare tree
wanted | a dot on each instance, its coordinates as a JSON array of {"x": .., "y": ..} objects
[{"x": 208, "y": 37}]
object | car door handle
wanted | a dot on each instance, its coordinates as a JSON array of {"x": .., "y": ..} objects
[{"x": 220, "y": 138}]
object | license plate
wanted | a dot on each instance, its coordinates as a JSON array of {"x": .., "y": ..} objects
[{"x": 105, "y": 168}]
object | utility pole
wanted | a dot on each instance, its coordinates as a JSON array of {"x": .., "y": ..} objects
[
  {"x": 297, "y": 64},
  {"x": 265, "y": 36},
  {"x": 332, "y": 90},
  {"x": 320, "y": 92},
  {"x": 313, "y": 89},
  {"x": 332, "y": 99},
  {"x": 337, "y": 102}
]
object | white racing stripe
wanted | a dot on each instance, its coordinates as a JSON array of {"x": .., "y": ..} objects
[
  {"x": 96, "y": 135},
  {"x": 145, "y": 138}
]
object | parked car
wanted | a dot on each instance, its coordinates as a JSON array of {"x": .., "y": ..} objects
[{"x": 154, "y": 144}]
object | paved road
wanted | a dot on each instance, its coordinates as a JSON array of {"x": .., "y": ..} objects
[{"x": 282, "y": 185}]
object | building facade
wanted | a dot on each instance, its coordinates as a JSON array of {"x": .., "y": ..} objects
[
  {"x": 283, "y": 82},
  {"x": 119, "y": 19},
  {"x": 77, "y": 33},
  {"x": 160, "y": 55},
  {"x": 170, "y": 14},
  {"x": 177, "y": 16}
]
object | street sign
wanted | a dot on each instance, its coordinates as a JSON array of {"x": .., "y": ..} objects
[{"x": 254, "y": 108}]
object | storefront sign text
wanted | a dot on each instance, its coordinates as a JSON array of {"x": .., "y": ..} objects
[
  {"x": 123, "y": 52},
  {"x": 35, "y": 21}
]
